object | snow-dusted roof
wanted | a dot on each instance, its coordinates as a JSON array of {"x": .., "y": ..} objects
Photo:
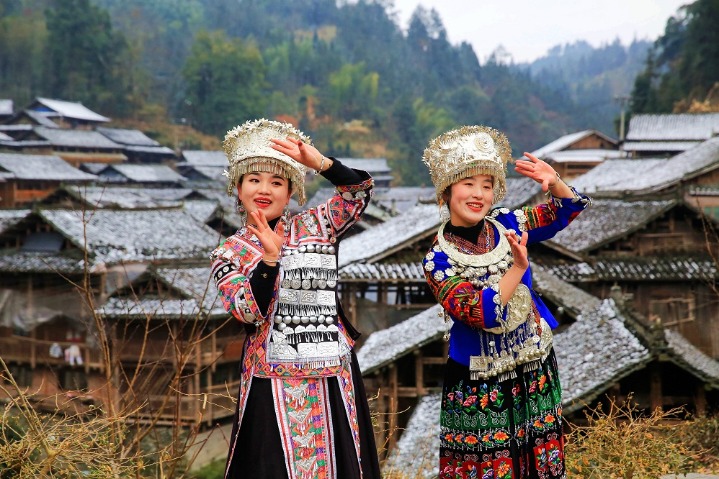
[
  {"x": 659, "y": 146},
  {"x": 127, "y": 137},
  {"x": 387, "y": 345},
  {"x": 9, "y": 218},
  {"x": 383, "y": 272},
  {"x": 40, "y": 262},
  {"x": 682, "y": 126},
  {"x": 607, "y": 220},
  {"x": 205, "y": 158},
  {"x": 373, "y": 166},
  {"x": 583, "y": 156},
  {"x": 564, "y": 142},
  {"x": 687, "y": 356},
  {"x": 4, "y": 137},
  {"x": 40, "y": 167},
  {"x": 201, "y": 210},
  {"x": 617, "y": 175},
  {"x": 154, "y": 150},
  {"x": 135, "y": 235},
  {"x": 637, "y": 268},
  {"x": 128, "y": 197},
  {"x": 417, "y": 451},
  {"x": 41, "y": 119},
  {"x": 148, "y": 173},
  {"x": 385, "y": 238},
  {"x": 73, "y": 110},
  {"x": 561, "y": 292},
  {"x": 76, "y": 138},
  {"x": 520, "y": 192},
  {"x": 193, "y": 283},
  {"x": 6, "y": 107}
]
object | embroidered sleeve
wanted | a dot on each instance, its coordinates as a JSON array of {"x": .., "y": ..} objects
[
  {"x": 476, "y": 307},
  {"x": 346, "y": 207},
  {"x": 233, "y": 262},
  {"x": 544, "y": 221}
]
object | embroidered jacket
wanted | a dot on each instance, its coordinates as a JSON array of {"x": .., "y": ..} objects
[
  {"x": 303, "y": 334},
  {"x": 485, "y": 336}
]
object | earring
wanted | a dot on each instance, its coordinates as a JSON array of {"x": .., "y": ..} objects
[
  {"x": 444, "y": 213},
  {"x": 286, "y": 216},
  {"x": 241, "y": 211}
]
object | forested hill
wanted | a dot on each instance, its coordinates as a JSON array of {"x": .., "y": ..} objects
[{"x": 344, "y": 71}]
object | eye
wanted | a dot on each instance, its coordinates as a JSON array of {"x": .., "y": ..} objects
[{"x": 277, "y": 183}]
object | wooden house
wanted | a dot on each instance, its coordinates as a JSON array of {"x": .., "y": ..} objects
[
  {"x": 377, "y": 167},
  {"x": 576, "y": 153},
  {"x": 47, "y": 254},
  {"x": 147, "y": 175},
  {"x": 25, "y": 179},
  {"x": 658, "y": 136},
  {"x": 138, "y": 147}
]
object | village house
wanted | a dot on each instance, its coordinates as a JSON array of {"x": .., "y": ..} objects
[
  {"x": 576, "y": 153},
  {"x": 58, "y": 114},
  {"x": 6, "y": 110},
  {"x": 146, "y": 175},
  {"x": 25, "y": 179},
  {"x": 657, "y": 136},
  {"x": 138, "y": 147}
]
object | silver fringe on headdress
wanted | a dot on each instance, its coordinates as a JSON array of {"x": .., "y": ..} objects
[
  {"x": 248, "y": 149},
  {"x": 468, "y": 151}
]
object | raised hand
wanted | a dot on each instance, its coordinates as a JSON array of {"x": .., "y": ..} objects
[
  {"x": 271, "y": 240},
  {"x": 519, "y": 249},
  {"x": 537, "y": 170},
  {"x": 301, "y": 152}
]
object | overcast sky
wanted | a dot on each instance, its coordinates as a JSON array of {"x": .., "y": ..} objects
[{"x": 528, "y": 28}]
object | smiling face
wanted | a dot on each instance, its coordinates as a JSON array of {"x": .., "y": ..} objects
[
  {"x": 470, "y": 200},
  {"x": 264, "y": 191}
]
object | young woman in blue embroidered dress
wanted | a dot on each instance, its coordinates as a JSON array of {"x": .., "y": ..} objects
[
  {"x": 501, "y": 402},
  {"x": 302, "y": 410}
]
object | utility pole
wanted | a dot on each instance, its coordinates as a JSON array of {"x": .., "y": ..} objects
[{"x": 623, "y": 102}]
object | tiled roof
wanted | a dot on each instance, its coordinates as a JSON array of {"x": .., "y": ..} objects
[
  {"x": 637, "y": 268},
  {"x": 154, "y": 150},
  {"x": 151, "y": 308},
  {"x": 213, "y": 173},
  {"x": 566, "y": 141},
  {"x": 520, "y": 192},
  {"x": 72, "y": 110},
  {"x": 32, "y": 262},
  {"x": 383, "y": 272},
  {"x": 373, "y": 166},
  {"x": 384, "y": 238},
  {"x": 4, "y": 137},
  {"x": 193, "y": 283},
  {"x": 583, "y": 156},
  {"x": 41, "y": 119},
  {"x": 688, "y": 357},
  {"x": 76, "y": 138},
  {"x": 607, "y": 220},
  {"x": 387, "y": 345},
  {"x": 148, "y": 173},
  {"x": 561, "y": 292},
  {"x": 205, "y": 158},
  {"x": 683, "y": 126},
  {"x": 40, "y": 167},
  {"x": 129, "y": 197},
  {"x": 631, "y": 175},
  {"x": 660, "y": 146},
  {"x": 9, "y": 218},
  {"x": 201, "y": 210},
  {"x": 133, "y": 235},
  {"x": 6, "y": 107},
  {"x": 127, "y": 137}
]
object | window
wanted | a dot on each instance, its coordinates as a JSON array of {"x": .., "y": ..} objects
[{"x": 672, "y": 310}]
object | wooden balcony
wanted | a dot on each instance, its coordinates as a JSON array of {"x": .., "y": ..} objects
[{"x": 23, "y": 350}]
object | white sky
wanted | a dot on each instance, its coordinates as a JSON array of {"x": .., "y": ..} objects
[{"x": 528, "y": 28}]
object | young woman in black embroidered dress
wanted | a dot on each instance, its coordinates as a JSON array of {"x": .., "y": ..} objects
[
  {"x": 302, "y": 410},
  {"x": 501, "y": 403}
]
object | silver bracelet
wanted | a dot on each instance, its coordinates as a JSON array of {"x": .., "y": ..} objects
[{"x": 322, "y": 164}]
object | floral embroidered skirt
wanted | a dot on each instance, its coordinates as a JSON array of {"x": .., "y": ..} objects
[{"x": 508, "y": 429}]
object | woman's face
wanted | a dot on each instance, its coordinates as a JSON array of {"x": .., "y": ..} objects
[
  {"x": 470, "y": 200},
  {"x": 264, "y": 191}
]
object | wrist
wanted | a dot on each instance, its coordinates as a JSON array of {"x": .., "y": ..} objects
[
  {"x": 557, "y": 180},
  {"x": 321, "y": 168},
  {"x": 271, "y": 260}
]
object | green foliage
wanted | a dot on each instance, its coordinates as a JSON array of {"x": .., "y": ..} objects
[{"x": 225, "y": 82}]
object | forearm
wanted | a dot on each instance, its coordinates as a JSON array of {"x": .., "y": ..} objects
[
  {"x": 559, "y": 189},
  {"x": 509, "y": 282}
]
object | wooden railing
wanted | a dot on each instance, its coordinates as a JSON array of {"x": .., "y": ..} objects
[{"x": 31, "y": 351}]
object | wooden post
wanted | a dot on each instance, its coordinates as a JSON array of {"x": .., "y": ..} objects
[
  {"x": 655, "y": 387},
  {"x": 352, "y": 292},
  {"x": 419, "y": 372},
  {"x": 700, "y": 401},
  {"x": 393, "y": 408}
]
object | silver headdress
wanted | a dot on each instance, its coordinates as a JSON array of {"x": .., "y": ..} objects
[
  {"x": 468, "y": 151},
  {"x": 248, "y": 150}
]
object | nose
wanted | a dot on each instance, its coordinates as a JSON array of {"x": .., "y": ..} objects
[{"x": 264, "y": 187}]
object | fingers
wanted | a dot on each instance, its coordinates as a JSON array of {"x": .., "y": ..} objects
[
  {"x": 531, "y": 157},
  {"x": 525, "y": 238}
]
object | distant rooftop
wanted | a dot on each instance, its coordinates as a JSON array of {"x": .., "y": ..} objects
[
  {"x": 673, "y": 127},
  {"x": 62, "y": 137},
  {"x": 127, "y": 137},
  {"x": 147, "y": 173},
  {"x": 40, "y": 167},
  {"x": 66, "y": 109},
  {"x": 205, "y": 158},
  {"x": 6, "y": 107},
  {"x": 564, "y": 142}
]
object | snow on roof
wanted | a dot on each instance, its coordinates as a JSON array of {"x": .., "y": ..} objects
[
  {"x": 385, "y": 346},
  {"x": 148, "y": 173},
  {"x": 194, "y": 283},
  {"x": 9, "y": 218},
  {"x": 201, "y": 210},
  {"x": 687, "y": 356},
  {"x": 598, "y": 337},
  {"x": 73, "y": 110},
  {"x": 127, "y": 137},
  {"x": 561, "y": 292},
  {"x": 683, "y": 126},
  {"x": 659, "y": 146},
  {"x": 607, "y": 220},
  {"x": 40, "y": 167},
  {"x": 130, "y": 198},
  {"x": 417, "y": 452},
  {"x": 4, "y": 137},
  {"x": 405, "y": 272},
  {"x": 373, "y": 166},
  {"x": 633, "y": 175},
  {"x": 76, "y": 138},
  {"x": 41, "y": 119},
  {"x": 40, "y": 262},
  {"x": 520, "y": 192},
  {"x": 155, "y": 150},
  {"x": 564, "y": 142},
  {"x": 135, "y": 235},
  {"x": 212, "y": 172},
  {"x": 390, "y": 236},
  {"x": 153, "y": 308},
  {"x": 584, "y": 156},
  {"x": 637, "y": 268},
  {"x": 6, "y": 107},
  {"x": 205, "y": 158}
]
